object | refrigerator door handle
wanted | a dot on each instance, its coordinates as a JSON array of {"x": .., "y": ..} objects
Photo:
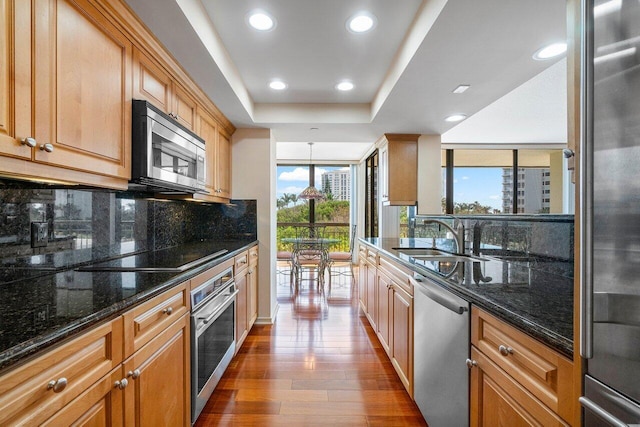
[
  {"x": 586, "y": 182},
  {"x": 593, "y": 407}
]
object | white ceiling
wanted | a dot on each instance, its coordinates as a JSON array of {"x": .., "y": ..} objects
[{"x": 404, "y": 70}]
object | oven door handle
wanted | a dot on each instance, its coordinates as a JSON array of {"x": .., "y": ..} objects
[{"x": 219, "y": 309}]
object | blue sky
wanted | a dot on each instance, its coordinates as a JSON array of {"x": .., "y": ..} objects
[
  {"x": 470, "y": 184},
  {"x": 478, "y": 184},
  {"x": 294, "y": 179}
]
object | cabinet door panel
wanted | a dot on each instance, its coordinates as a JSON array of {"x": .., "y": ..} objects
[
  {"x": 223, "y": 165},
  {"x": 159, "y": 396},
  {"x": 150, "y": 82},
  {"x": 184, "y": 107},
  {"x": 241, "y": 308},
  {"x": 208, "y": 130},
  {"x": 15, "y": 78},
  {"x": 402, "y": 333},
  {"x": 100, "y": 405},
  {"x": 384, "y": 289},
  {"x": 88, "y": 124}
]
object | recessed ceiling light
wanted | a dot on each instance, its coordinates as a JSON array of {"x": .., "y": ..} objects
[
  {"x": 261, "y": 21},
  {"x": 278, "y": 85},
  {"x": 550, "y": 51},
  {"x": 344, "y": 86},
  {"x": 361, "y": 22},
  {"x": 455, "y": 117},
  {"x": 461, "y": 88}
]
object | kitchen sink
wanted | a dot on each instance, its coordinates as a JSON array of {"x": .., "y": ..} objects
[
  {"x": 413, "y": 252},
  {"x": 448, "y": 258}
]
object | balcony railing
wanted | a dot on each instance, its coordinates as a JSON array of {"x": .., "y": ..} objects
[{"x": 339, "y": 231}]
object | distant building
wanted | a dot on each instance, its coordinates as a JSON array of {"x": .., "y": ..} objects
[
  {"x": 533, "y": 190},
  {"x": 338, "y": 182}
]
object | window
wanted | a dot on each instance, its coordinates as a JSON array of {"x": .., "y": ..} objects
[
  {"x": 484, "y": 181},
  {"x": 334, "y": 181}
]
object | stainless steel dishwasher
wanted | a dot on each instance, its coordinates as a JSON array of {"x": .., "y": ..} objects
[{"x": 441, "y": 347}]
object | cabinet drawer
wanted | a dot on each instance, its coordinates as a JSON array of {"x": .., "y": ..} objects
[
  {"x": 372, "y": 257},
  {"x": 498, "y": 400},
  {"x": 400, "y": 276},
  {"x": 150, "y": 318},
  {"x": 542, "y": 371},
  {"x": 241, "y": 261},
  {"x": 33, "y": 392},
  {"x": 212, "y": 272}
]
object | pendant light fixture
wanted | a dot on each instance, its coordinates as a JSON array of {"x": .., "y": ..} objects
[{"x": 311, "y": 192}]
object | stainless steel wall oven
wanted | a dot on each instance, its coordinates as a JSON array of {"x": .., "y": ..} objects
[{"x": 212, "y": 336}]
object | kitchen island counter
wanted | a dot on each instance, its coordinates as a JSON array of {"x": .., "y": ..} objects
[{"x": 535, "y": 294}]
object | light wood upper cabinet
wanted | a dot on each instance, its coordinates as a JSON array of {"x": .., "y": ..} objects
[
  {"x": 399, "y": 169},
  {"x": 223, "y": 162},
  {"x": 15, "y": 79},
  {"x": 82, "y": 95},
  {"x": 218, "y": 158},
  {"x": 153, "y": 83}
]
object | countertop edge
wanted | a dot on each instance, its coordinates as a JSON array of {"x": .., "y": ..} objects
[
  {"x": 28, "y": 350},
  {"x": 546, "y": 336}
]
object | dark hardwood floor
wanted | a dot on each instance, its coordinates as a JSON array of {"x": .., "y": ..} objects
[{"x": 320, "y": 364}]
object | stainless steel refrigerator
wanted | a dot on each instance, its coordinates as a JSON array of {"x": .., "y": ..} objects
[{"x": 610, "y": 294}]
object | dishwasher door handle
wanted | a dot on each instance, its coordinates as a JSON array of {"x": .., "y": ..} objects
[{"x": 439, "y": 295}]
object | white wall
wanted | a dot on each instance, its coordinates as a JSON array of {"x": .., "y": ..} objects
[{"x": 254, "y": 177}]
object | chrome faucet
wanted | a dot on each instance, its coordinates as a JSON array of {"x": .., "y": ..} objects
[{"x": 458, "y": 232}]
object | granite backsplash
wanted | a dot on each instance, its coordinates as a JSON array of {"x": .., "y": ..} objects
[
  {"x": 550, "y": 236},
  {"x": 109, "y": 223}
]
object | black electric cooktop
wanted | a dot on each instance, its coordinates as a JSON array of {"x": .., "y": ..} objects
[{"x": 171, "y": 260}]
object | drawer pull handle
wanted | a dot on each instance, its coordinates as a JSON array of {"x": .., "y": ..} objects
[
  {"x": 47, "y": 147},
  {"x": 57, "y": 386},
  {"x": 168, "y": 311},
  {"x": 505, "y": 351},
  {"x": 29, "y": 142},
  {"x": 122, "y": 384},
  {"x": 134, "y": 374},
  {"x": 471, "y": 363}
]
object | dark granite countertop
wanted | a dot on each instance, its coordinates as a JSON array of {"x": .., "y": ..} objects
[
  {"x": 534, "y": 294},
  {"x": 52, "y": 301}
]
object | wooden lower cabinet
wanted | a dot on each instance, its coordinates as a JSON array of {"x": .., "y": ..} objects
[
  {"x": 34, "y": 392},
  {"x": 498, "y": 400},
  {"x": 252, "y": 287},
  {"x": 362, "y": 280},
  {"x": 242, "y": 326},
  {"x": 389, "y": 309},
  {"x": 385, "y": 295},
  {"x": 89, "y": 382},
  {"x": 101, "y": 405},
  {"x": 516, "y": 379},
  {"x": 159, "y": 378},
  {"x": 401, "y": 351}
]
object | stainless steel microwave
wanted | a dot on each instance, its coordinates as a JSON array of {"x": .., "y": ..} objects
[{"x": 165, "y": 156}]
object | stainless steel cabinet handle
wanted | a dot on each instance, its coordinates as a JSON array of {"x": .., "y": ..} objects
[
  {"x": 135, "y": 374},
  {"x": 568, "y": 153},
  {"x": 57, "y": 385},
  {"x": 168, "y": 310},
  {"x": 504, "y": 350},
  {"x": 122, "y": 384},
  {"x": 29, "y": 142},
  {"x": 471, "y": 363},
  {"x": 47, "y": 147}
]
